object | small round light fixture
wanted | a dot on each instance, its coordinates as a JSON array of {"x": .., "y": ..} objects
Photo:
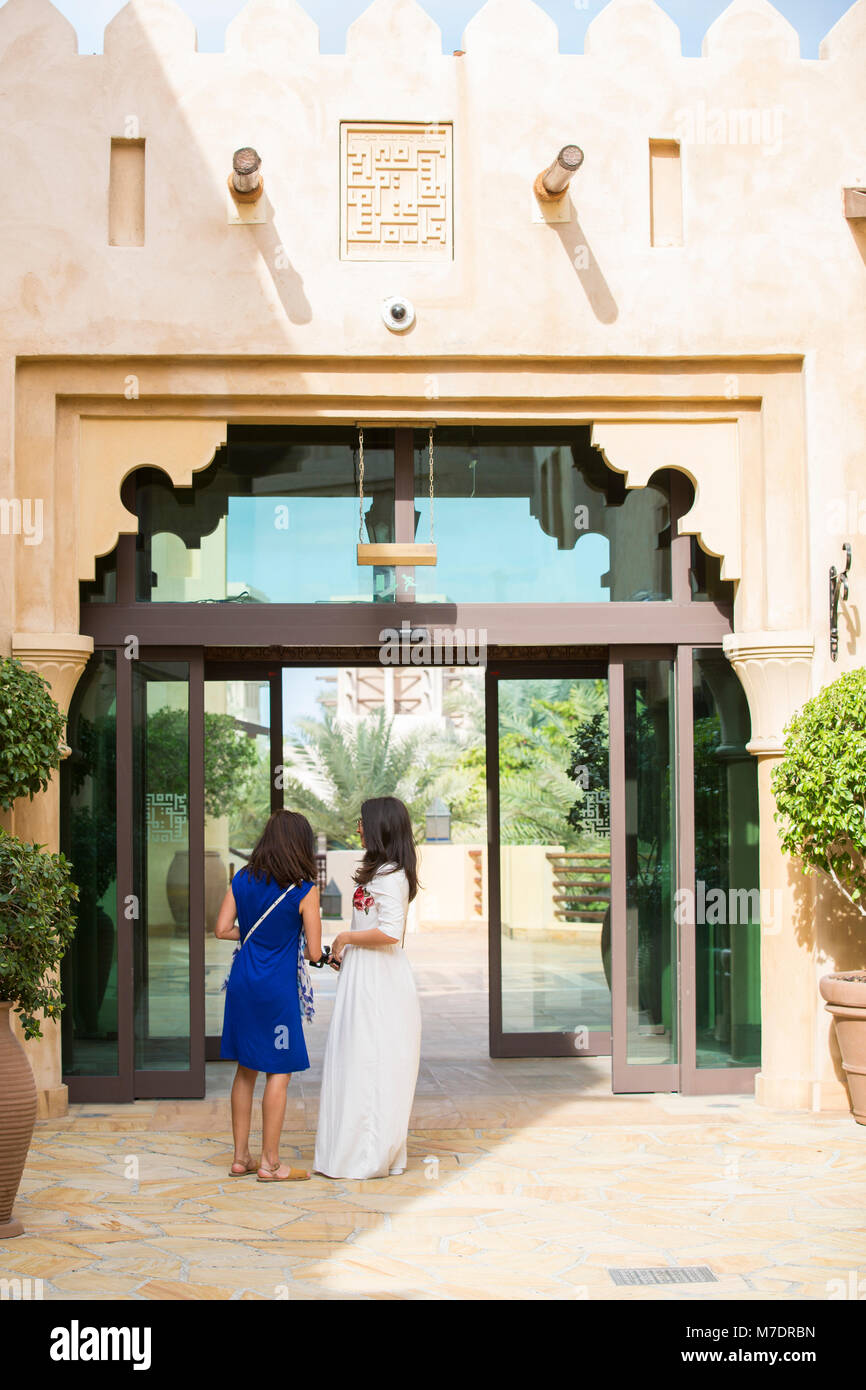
[{"x": 398, "y": 314}]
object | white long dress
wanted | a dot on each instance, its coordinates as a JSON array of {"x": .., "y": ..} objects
[{"x": 374, "y": 1044}]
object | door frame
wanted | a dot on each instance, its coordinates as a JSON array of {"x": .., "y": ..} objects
[
  {"x": 630, "y": 1078},
  {"x": 521, "y": 1044},
  {"x": 683, "y": 1075},
  {"x": 188, "y": 1084}
]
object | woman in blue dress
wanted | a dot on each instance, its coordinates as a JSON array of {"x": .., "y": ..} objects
[{"x": 262, "y": 1028}]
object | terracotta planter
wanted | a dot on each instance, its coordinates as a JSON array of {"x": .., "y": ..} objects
[
  {"x": 846, "y": 1001},
  {"x": 17, "y": 1118},
  {"x": 216, "y": 881}
]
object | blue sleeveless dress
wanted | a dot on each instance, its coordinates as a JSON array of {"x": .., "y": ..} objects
[{"x": 262, "y": 1023}]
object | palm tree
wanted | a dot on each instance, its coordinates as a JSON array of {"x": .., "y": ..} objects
[
  {"x": 332, "y": 767},
  {"x": 537, "y": 720}
]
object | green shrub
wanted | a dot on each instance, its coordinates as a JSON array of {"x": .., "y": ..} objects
[
  {"x": 31, "y": 732},
  {"x": 37, "y": 922},
  {"x": 37, "y": 918},
  {"x": 820, "y": 786}
]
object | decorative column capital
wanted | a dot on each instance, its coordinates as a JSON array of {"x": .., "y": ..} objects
[
  {"x": 775, "y": 670},
  {"x": 58, "y": 656}
]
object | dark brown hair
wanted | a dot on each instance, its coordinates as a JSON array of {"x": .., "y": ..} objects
[
  {"x": 388, "y": 839},
  {"x": 286, "y": 850}
]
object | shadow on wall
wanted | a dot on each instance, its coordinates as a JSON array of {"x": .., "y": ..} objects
[
  {"x": 286, "y": 280},
  {"x": 858, "y": 232},
  {"x": 839, "y": 935},
  {"x": 849, "y": 614},
  {"x": 137, "y": 66},
  {"x": 823, "y": 914},
  {"x": 588, "y": 270}
]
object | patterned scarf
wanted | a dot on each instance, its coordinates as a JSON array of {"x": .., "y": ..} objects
[{"x": 305, "y": 984}]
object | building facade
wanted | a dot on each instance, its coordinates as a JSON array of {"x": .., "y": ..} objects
[{"x": 642, "y": 405}]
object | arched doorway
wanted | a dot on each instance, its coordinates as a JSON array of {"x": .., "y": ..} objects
[{"x": 577, "y": 583}]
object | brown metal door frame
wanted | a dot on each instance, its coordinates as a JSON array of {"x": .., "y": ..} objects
[
  {"x": 503, "y": 1044},
  {"x": 85, "y": 1087},
  {"x": 190, "y": 1083},
  {"x": 694, "y": 1080},
  {"x": 628, "y": 1078}
]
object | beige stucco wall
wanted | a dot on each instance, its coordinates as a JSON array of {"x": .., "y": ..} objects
[{"x": 749, "y": 337}]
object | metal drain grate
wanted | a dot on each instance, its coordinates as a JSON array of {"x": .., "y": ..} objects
[{"x": 689, "y": 1274}]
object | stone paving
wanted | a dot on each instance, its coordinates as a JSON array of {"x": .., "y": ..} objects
[{"x": 526, "y": 1179}]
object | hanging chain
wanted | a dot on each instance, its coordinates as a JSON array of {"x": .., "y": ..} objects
[
  {"x": 431, "y": 483},
  {"x": 360, "y": 486}
]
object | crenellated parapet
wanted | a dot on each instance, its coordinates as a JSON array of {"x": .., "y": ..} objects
[
  {"x": 748, "y": 159},
  {"x": 275, "y": 31},
  {"x": 282, "y": 28},
  {"x": 633, "y": 29},
  {"x": 750, "y": 29},
  {"x": 34, "y": 31},
  {"x": 149, "y": 29}
]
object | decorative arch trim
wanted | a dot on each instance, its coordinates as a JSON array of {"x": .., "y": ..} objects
[
  {"x": 110, "y": 450},
  {"x": 707, "y": 451}
]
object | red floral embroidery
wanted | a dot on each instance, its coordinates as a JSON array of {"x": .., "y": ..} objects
[{"x": 360, "y": 899}]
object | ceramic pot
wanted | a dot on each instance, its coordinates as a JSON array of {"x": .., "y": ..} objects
[
  {"x": 17, "y": 1118},
  {"x": 846, "y": 1001}
]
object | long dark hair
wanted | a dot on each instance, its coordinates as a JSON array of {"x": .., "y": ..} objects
[
  {"x": 286, "y": 850},
  {"x": 388, "y": 839}
]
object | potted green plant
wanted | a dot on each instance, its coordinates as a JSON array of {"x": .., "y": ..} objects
[
  {"x": 37, "y": 918},
  {"x": 820, "y": 791}
]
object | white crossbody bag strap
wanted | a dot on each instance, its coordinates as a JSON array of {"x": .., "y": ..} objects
[{"x": 274, "y": 904}]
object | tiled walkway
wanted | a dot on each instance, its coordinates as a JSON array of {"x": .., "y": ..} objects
[{"x": 527, "y": 1179}]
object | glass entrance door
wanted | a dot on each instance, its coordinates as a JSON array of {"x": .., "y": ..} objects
[
  {"x": 645, "y": 948},
  {"x": 625, "y": 916},
  {"x": 165, "y": 907},
  {"x": 584, "y": 950},
  {"x": 550, "y": 865},
  {"x": 241, "y": 788}
]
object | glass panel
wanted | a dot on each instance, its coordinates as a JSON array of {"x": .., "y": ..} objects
[
  {"x": 536, "y": 516},
  {"x": 651, "y": 941},
  {"x": 705, "y": 578},
  {"x": 274, "y": 519},
  {"x": 727, "y": 871},
  {"x": 102, "y": 589},
  {"x": 237, "y": 802},
  {"x": 554, "y": 824},
  {"x": 160, "y": 711},
  {"x": 89, "y": 839}
]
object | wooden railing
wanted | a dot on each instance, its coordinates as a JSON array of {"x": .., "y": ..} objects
[
  {"x": 581, "y": 885},
  {"x": 476, "y": 855}
]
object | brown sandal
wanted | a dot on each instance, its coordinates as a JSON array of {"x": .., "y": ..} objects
[
  {"x": 246, "y": 1173},
  {"x": 293, "y": 1175}
]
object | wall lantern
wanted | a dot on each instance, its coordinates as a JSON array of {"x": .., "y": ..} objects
[
  {"x": 246, "y": 184},
  {"x": 321, "y": 862},
  {"x": 332, "y": 902},
  {"x": 552, "y": 184},
  {"x": 438, "y": 822},
  {"x": 838, "y": 590},
  {"x": 378, "y": 552}
]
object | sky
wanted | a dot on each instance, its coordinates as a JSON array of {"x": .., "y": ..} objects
[{"x": 812, "y": 18}]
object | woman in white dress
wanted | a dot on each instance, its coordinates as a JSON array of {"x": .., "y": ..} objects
[{"x": 374, "y": 1043}]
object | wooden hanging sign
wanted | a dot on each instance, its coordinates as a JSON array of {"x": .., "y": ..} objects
[{"x": 397, "y": 553}]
